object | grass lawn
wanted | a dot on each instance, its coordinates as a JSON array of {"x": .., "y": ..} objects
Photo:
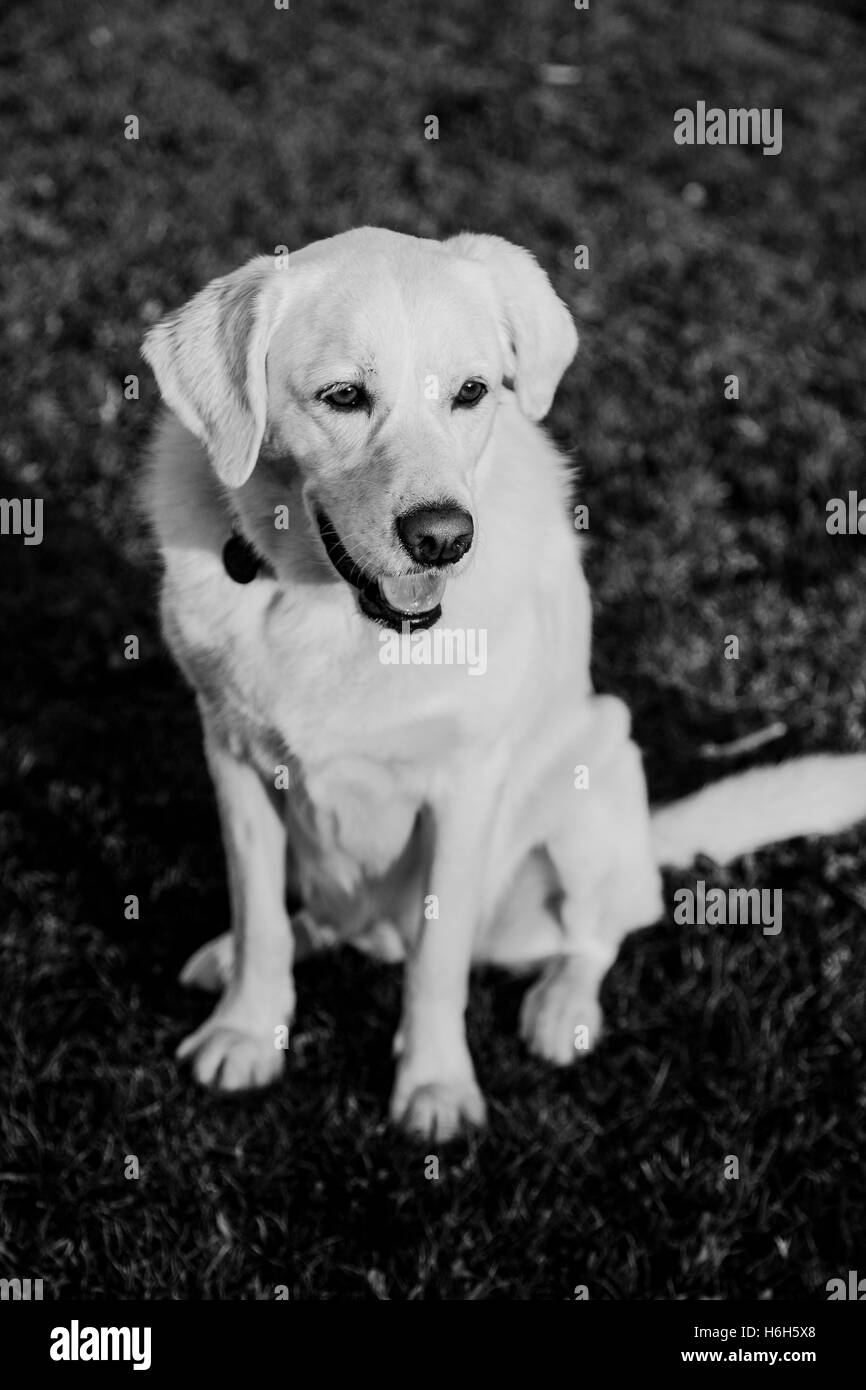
[{"x": 707, "y": 518}]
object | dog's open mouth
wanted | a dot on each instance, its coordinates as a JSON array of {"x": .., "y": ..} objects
[{"x": 407, "y": 599}]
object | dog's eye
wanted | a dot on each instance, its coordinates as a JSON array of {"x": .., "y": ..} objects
[
  {"x": 345, "y": 397},
  {"x": 470, "y": 393}
]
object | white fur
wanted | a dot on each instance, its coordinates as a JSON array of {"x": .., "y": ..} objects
[
  {"x": 817, "y": 795},
  {"x": 409, "y": 784}
]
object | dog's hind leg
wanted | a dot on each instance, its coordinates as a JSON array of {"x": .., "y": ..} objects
[
  {"x": 524, "y": 930},
  {"x": 610, "y": 886},
  {"x": 211, "y": 967}
]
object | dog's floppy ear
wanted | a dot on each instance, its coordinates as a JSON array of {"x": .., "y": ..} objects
[
  {"x": 542, "y": 338},
  {"x": 209, "y": 361}
]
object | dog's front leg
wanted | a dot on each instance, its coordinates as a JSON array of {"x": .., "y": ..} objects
[
  {"x": 242, "y": 1044},
  {"x": 435, "y": 1092}
]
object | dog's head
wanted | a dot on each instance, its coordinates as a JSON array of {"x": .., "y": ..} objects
[{"x": 371, "y": 364}]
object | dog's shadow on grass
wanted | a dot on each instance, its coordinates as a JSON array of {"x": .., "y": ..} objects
[{"x": 102, "y": 749}]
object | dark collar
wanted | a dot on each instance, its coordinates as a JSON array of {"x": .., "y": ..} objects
[{"x": 242, "y": 561}]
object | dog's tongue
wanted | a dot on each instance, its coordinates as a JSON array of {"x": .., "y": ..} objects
[{"x": 413, "y": 593}]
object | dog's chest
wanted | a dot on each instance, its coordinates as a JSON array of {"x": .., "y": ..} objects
[
  {"x": 356, "y": 745},
  {"x": 352, "y": 810}
]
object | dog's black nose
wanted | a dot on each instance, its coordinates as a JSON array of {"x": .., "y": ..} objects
[{"x": 436, "y": 535}]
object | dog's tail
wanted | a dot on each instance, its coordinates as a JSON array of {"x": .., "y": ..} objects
[{"x": 817, "y": 795}]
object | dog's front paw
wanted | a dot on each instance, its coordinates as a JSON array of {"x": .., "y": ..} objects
[
  {"x": 441, "y": 1110},
  {"x": 561, "y": 1017},
  {"x": 437, "y": 1109},
  {"x": 231, "y": 1058}
]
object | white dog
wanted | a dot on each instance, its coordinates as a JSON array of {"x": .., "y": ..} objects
[{"x": 352, "y": 453}]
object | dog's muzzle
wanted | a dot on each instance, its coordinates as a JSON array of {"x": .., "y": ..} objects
[{"x": 409, "y": 599}]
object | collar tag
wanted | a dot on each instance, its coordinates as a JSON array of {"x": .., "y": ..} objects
[{"x": 242, "y": 564}]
